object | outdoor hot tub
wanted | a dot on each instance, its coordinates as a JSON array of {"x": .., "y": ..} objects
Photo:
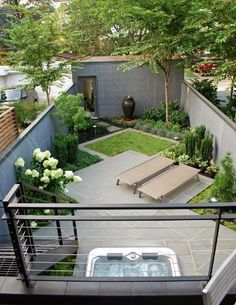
[{"x": 132, "y": 262}]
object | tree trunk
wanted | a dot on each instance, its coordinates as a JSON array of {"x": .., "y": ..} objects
[
  {"x": 48, "y": 96},
  {"x": 167, "y": 96},
  {"x": 232, "y": 87}
]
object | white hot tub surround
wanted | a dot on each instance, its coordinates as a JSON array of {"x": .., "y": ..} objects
[{"x": 132, "y": 262}]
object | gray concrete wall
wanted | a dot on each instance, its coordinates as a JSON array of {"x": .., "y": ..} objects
[
  {"x": 112, "y": 85},
  {"x": 39, "y": 134},
  {"x": 203, "y": 112}
]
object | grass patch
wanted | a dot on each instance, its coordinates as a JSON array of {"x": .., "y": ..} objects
[
  {"x": 130, "y": 140},
  {"x": 84, "y": 159},
  {"x": 62, "y": 268}
]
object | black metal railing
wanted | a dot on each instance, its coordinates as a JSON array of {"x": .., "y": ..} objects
[{"x": 73, "y": 230}]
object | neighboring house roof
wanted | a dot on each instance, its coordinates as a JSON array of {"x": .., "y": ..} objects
[
  {"x": 105, "y": 58},
  {"x": 75, "y": 57}
]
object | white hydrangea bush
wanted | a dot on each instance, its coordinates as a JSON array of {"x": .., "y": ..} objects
[{"x": 44, "y": 173}]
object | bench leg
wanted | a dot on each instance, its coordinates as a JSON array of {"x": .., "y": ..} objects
[
  {"x": 140, "y": 195},
  {"x": 198, "y": 178},
  {"x": 135, "y": 187},
  {"x": 117, "y": 182}
]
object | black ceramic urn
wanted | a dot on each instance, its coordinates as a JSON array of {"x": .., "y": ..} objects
[{"x": 128, "y": 106}]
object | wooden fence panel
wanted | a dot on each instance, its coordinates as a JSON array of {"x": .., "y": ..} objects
[{"x": 8, "y": 126}]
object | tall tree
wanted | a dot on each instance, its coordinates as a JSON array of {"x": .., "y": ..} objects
[
  {"x": 37, "y": 40},
  {"x": 223, "y": 36},
  {"x": 155, "y": 31}
]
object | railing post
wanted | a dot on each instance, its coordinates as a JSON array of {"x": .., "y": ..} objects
[
  {"x": 58, "y": 224},
  {"x": 74, "y": 225},
  {"x": 29, "y": 232},
  {"x": 214, "y": 245},
  {"x": 16, "y": 245}
]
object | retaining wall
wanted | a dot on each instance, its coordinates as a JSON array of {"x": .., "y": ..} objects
[{"x": 202, "y": 112}]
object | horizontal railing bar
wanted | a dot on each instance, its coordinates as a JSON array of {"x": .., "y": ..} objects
[
  {"x": 120, "y": 279},
  {"x": 128, "y": 206},
  {"x": 33, "y": 188},
  {"x": 116, "y": 218},
  {"x": 12, "y": 193}
]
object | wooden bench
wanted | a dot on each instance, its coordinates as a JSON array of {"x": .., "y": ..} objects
[
  {"x": 145, "y": 171},
  {"x": 168, "y": 181}
]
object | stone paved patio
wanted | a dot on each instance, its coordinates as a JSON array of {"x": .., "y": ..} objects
[{"x": 191, "y": 240}]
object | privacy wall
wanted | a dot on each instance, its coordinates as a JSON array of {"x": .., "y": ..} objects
[{"x": 111, "y": 85}]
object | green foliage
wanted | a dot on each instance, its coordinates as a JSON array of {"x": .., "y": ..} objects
[
  {"x": 207, "y": 89},
  {"x": 199, "y": 135},
  {"x": 224, "y": 187},
  {"x": 190, "y": 144},
  {"x": 84, "y": 159},
  {"x": 207, "y": 147},
  {"x": 63, "y": 268},
  {"x": 160, "y": 128},
  {"x": 176, "y": 115},
  {"x": 44, "y": 173},
  {"x": 35, "y": 40},
  {"x": 72, "y": 148},
  {"x": 70, "y": 111},
  {"x": 61, "y": 152},
  {"x": 26, "y": 112},
  {"x": 66, "y": 148}
]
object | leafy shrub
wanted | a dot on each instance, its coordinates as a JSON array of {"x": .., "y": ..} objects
[
  {"x": 71, "y": 112},
  {"x": 190, "y": 144},
  {"x": 66, "y": 148},
  {"x": 26, "y": 112},
  {"x": 72, "y": 147},
  {"x": 84, "y": 159},
  {"x": 159, "y": 128},
  {"x": 179, "y": 117},
  {"x": 199, "y": 135},
  {"x": 224, "y": 186},
  {"x": 207, "y": 89},
  {"x": 176, "y": 115},
  {"x": 207, "y": 148},
  {"x": 61, "y": 151}
]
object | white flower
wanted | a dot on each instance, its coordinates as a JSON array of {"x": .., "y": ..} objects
[
  {"x": 33, "y": 224},
  {"x": 59, "y": 172},
  {"x": 46, "y": 163},
  {"x": 47, "y": 154},
  {"x": 41, "y": 187},
  {"x": 28, "y": 172},
  {"x": 77, "y": 179},
  {"x": 66, "y": 190},
  {"x": 46, "y": 172},
  {"x": 36, "y": 151},
  {"x": 53, "y": 162},
  {"x": 46, "y": 211},
  {"x": 69, "y": 175},
  {"x": 45, "y": 179},
  {"x": 61, "y": 183},
  {"x": 40, "y": 156},
  {"x": 35, "y": 174},
  {"x": 53, "y": 174},
  {"x": 20, "y": 162}
]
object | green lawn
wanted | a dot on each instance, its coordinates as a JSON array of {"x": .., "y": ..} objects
[{"x": 130, "y": 140}]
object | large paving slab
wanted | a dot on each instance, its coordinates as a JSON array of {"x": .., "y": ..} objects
[{"x": 99, "y": 183}]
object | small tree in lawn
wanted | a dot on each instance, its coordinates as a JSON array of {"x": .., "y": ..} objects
[{"x": 36, "y": 40}]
